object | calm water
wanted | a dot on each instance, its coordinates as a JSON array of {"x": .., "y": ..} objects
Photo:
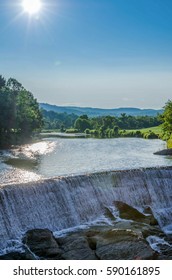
[{"x": 57, "y": 156}]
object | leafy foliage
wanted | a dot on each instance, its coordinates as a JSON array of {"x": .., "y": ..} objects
[
  {"x": 60, "y": 121},
  {"x": 115, "y": 126},
  {"x": 2, "y": 82},
  {"x": 167, "y": 120},
  {"x": 19, "y": 113},
  {"x": 82, "y": 123}
]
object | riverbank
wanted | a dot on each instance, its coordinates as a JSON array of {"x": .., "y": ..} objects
[
  {"x": 62, "y": 135},
  {"x": 147, "y": 133}
]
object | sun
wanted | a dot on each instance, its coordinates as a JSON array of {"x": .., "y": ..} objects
[{"x": 32, "y": 6}]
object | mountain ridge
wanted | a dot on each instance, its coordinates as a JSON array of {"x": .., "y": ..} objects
[{"x": 94, "y": 112}]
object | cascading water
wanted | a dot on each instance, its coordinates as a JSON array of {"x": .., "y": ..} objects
[{"x": 65, "y": 202}]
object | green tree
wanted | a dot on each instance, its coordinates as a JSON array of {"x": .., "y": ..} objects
[
  {"x": 14, "y": 85},
  {"x": 84, "y": 117},
  {"x": 2, "y": 82},
  {"x": 19, "y": 113},
  {"x": 167, "y": 119},
  {"x": 29, "y": 118},
  {"x": 6, "y": 112},
  {"x": 82, "y": 124}
]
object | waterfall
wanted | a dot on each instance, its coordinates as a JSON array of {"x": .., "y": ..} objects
[{"x": 64, "y": 202}]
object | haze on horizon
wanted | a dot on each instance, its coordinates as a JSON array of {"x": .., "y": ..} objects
[{"x": 93, "y": 53}]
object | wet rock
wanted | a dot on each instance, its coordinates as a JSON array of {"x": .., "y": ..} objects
[
  {"x": 126, "y": 250},
  {"x": 122, "y": 245},
  {"x": 165, "y": 253},
  {"x": 124, "y": 240},
  {"x": 165, "y": 152},
  {"x": 152, "y": 219},
  {"x": 129, "y": 213},
  {"x": 18, "y": 256},
  {"x": 107, "y": 243},
  {"x": 108, "y": 214},
  {"x": 76, "y": 247},
  {"x": 42, "y": 243}
]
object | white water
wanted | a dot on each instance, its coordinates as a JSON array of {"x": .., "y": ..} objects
[
  {"x": 66, "y": 202},
  {"x": 156, "y": 243}
]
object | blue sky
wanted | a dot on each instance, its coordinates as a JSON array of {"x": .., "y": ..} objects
[{"x": 97, "y": 53}]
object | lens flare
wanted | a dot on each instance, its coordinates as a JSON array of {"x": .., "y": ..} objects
[{"x": 32, "y": 6}]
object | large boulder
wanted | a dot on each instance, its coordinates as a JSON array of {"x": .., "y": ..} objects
[
  {"x": 122, "y": 245},
  {"x": 128, "y": 212},
  {"x": 106, "y": 243},
  {"x": 76, "y": 247},
  {"x": 42, "y": 243}
]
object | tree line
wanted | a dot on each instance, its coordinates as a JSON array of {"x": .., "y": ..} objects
[
  {"x": 103, "y": 126},
  {"x": 111, "y": 126},
  {"x": 122, "y": 122},
  {"x": 20, "y": 115}
]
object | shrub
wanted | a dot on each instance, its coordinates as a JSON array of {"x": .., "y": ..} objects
[
  {"x": 150, "y": 135},
  {"x": 169, "y": 144},
  {"x": 71, "y": 130}
]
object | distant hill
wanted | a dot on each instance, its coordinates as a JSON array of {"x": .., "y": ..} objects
[{"x": 94, "y": 112}]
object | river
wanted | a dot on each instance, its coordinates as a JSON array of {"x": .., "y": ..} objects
[{"x": 57, "y": 157}]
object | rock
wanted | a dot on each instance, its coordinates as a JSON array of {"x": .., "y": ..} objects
[
  {"x": 122, "y": 245},
  {"x": 129, "y": 213},
  {"x": 126, "y": 251},
  {"x": 108, "y": 214},
  {"x": 165, "y": 152},
  {"x": 165, "y": 253},
  {"x": 42, "y": 243},
  {"x": 18, "y": 256},
  {"x": 152, "y": 219},
  {"x": 124, "y": 240},
  {"x": 107, "y": 243},
  {"x": 76, "y": 247}
]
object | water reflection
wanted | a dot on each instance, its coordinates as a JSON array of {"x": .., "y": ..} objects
[
  {"x": 15, "y": 175},
  {"x": 22, "y": 164}
]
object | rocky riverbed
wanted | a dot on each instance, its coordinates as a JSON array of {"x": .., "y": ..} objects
[{"x": 135, "y": 236}]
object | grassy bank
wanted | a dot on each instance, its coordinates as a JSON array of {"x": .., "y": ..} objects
[
  {"x": 147, "y": 133},
  {"x": 155, "y": 129}
]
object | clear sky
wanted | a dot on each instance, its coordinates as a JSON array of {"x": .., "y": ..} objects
[{"x": 97, "y": 53}]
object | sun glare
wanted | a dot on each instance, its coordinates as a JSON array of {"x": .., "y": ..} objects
[{"x": 32, "y": 6}]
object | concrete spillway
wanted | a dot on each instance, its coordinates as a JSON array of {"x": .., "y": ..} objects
[{"x": 65, "y": 202}]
